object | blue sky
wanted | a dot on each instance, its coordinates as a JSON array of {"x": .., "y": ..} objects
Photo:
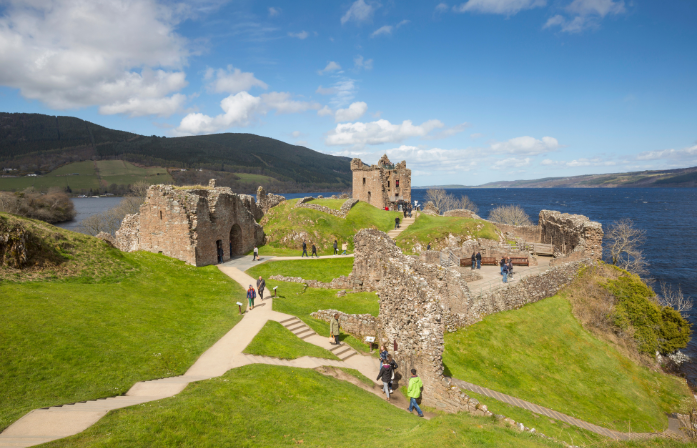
[{"x": 466, "y": 92}]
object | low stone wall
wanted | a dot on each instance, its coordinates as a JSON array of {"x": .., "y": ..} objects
[
  {"x": 359, "y": 326},
  {"x": 341, "y": 213},
  {"x": 342, "y": 282},
  {"x": 462, "y": 213},
  {"x": 571, "y": 233},
  {"x": 530, "y": 234}
]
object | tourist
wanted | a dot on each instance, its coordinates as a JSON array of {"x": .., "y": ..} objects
[
  {"x": 404, "y": 211},
  {"x": 256, "y": 254},
  {"x": 251, "y": 295},
  {"x": 504, "y": 272},
  {"x": 383, "y": 353},
  {"x": 479, "y": 260},
  {"x": 261, "y": 286},
  {"x": 314, "y": 250},
  {"x": 385, "y": 375},
  {"x": 304, "y": 249},
  {"x": 336, "y": 247},
  {"x": 334, "y": 329},
  {"x": 394, "y": 367},
  {"x": 396, "y": 223},
  {"x": 428, "y": 247},
  {"x": 344, "y": 247},
  {"x": 220, "y": 254},
  {"x": 474, "y": 261},
  {"x": 509, "y": 263},
  {"x": 414, "y": 392},
  {"x": 502, "y": 263}
]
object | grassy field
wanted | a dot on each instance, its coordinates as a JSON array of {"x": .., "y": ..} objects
[
  {"x": 111, "y": 171},
  {"x": 277, "y": 341},
  {"x": 334, "y": 204},
  {"x": 65, "y": 341},
  {"x": 323, "y": 269},
  {"x": 435, "y": 229},
  {"x": 263, "y": 405},
  {"x": 322, "y": 228},
  {"x": 257, "y": 178},
  {"x": 540, "y": 353}
]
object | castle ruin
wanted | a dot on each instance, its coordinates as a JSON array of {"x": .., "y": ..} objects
[
  {"x": 200, "y": 226},
  {"x": 382, "y": 185}
]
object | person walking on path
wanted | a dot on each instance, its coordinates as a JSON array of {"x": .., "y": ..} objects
[
  {"x": 336, "y": 247},
  {"x": 504, "y": 271},
  {"x": 414, "y": 392},
  {"x": 314, "y": 250},
  {"x": 383, "y": 353},
  {"x": 251, "y": 295},
  {"x": 334, "y": 329},
  {"x": 304, "y": 250},
  {"x": 396, "y": 223},
  {"x": 404, "y": 211},
  {"x": 509, "y": 263},
  {"x": 344, "y": 247},
  {"x": 474, "y": 261},
  {"x": 479, "y": 260},
  {"x": 261, "y": 286},
  {"x": 394, "y": 367},
  {"x": 256, "y": 254},
  {"x": 428, "y": 247},
  {"x": 385, "y": 375},
  {"x": 502, "y": 263}
]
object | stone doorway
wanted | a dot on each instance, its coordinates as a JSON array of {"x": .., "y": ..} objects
[
  {"x": 219, "y": 250},
  {"x": 235, "y": 240}
]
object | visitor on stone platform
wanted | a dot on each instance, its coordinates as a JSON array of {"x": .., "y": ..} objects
[
  {"x": 385, "y": 375},
  {"x": 404, "y": 210},
  {"x": 396, "y": 223},
  {"x": 334, "y": 329},
  {"x": 474, "y": 261},
  {"x": 261, "y": 286},
  {"x": 504, "y": 271},
  {"x": 509, "y": 263},
  {"x": 336, "y": 247},
  {"x": 414, "y": 392},
  {"x": 394, "y": 366},
  {"x": 314, "y": 250},
  {"x": 344, "y": 247},
  {"x": 479, "y": 260},
  {"x": 251, "y": 295},
  {"x": 502, "y": 263},
  {"x": 256, "y": 254},
  {"x": 304, "y": 249}
]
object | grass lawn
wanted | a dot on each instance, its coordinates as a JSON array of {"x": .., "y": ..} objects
[
  {"x": 541, "y": 353},
  {"x": 334, "y": 204},
  {"x": 435, "y": 229},
  {"x": 121, "y": 172},
  {"x": 320, "y": 227},
  {"x": 80, "y": 339},
  {"x": 323, "y": 270},
  {"x": 258, "y": 178},
  {"x": 263, "y": 405},
  {"x": 353, "y": 372},
  {"x": 277, "y": 341},
  {"x": 85, "y": 179}
]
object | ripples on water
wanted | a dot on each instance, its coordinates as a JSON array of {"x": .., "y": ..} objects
[{"x": 667, "y": 216}]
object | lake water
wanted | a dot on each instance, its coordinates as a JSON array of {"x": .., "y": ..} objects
[{"x": 667, "y": 215}]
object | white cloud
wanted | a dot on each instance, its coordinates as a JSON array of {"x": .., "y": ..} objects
[
  {"x": 330, "y": 68},
  {"x": 402, "y": 23},
  {"x": 587, "y": 14},
  {"x": 231, "y": 80},
  {"x": 301, "y": 35},
  {"x": 273, "y": 12},
  {"x": 124, "y": 57},
  {"x": 359, "y": 63},
  {"x": 685, "y": 154},
  {"x": 359, "y": 12},
  {"x": 352, "y": 113},
  {"x": 476, "y": 135},
  {"x": 387, "y": 29},
  {"x": 325, "y": 90},
  {"x": 511, "y": 162},
  {"x": 325, "y": 111},
  {"x": 507, "y": 7},
  {"x": 526, "y": 146},
  {"x": 241, "y": 110},
  {"x": 578, "y": 162},
  {"x": 436, "y": 159},
  {"x": 448, "y": 132},
  {"x": 378, "y": 132},
  {"x": 296, "y": 134},
  {"x": 344, "y": 90},
  {"x": 442, "y": 7}
]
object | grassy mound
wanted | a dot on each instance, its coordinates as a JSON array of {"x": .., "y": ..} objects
[
  {"x": 323, "y": 270},
  {"x": 84, "y": 338},
  {"x": 298, "y": 407},
  {"x": 334, "y": 204},
  {"x": 541, "y": 353},
  {"x": 286, "y": 227},
  {"x": 54, "y": 253},
  {"x": 277, "y": 341},
  {"x": 435, "y": 229}
]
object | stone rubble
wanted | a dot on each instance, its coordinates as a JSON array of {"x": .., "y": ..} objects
[{"x": 341, "y": 213}]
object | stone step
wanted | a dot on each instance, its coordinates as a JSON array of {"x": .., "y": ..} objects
[
  {"x": 296, "y": 325},
  {"x": 306, "y": 335},
  {"x": 302, "y": 329},
  {"x": 343, "y": 351},
  {"x": 288, "y": 320},
  {"x": 344, "y": 358}
]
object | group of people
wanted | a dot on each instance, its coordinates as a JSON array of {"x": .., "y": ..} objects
[
  {"x": 252, "y": 293},
  {"x": 344, "y": 248},
  {"x": 506, "y": 268},
  {"x": 406, "y": 210},
  {"x": 387, "y": 375},
  {"x": 476, "y": 260}
]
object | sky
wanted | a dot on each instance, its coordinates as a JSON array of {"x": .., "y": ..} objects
[{"x": 466, "y": 92}]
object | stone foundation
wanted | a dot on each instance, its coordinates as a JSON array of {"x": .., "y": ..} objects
[
  {"x": 341, "y": 213},
  {"x": 359, "y": 326}
]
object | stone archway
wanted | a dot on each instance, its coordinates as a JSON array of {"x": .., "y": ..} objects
[{"x": 235, "y": 240}]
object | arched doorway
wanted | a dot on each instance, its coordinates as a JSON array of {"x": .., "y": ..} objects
[{"x": 235, "y": 240}]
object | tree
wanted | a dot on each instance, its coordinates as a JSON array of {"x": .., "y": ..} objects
[
  {"x": 624, "y": 247},
  {"x": 675, "y": 299},
  {"x": 512, "y": 215},
  {"x": 444, "y": 201}
]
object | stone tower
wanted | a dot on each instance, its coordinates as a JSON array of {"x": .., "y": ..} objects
[{"x": 382, "y": 185}]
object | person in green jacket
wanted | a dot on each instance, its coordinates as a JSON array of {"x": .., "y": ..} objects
[
  {"x": 334, "y": 328},
  {"x": 414, "y": 392}
]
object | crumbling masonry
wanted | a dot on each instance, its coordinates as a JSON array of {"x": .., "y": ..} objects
[{"x": 382, "y": 185}]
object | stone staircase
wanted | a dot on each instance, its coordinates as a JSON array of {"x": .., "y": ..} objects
[
  {"x": 343, "y": 351},
  {"x": 403, "y": 224},
  {"x": 298, "y": 327}
]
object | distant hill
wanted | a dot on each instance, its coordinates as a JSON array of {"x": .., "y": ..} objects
[{"x": 41, "y": 143}]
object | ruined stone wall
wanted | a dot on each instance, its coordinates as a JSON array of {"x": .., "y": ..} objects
[
  {"x": 368, "y": 184},
  {"x": 359, "y": 326},
  {"x": 571, "y": 233},
  {"x": 341, "y": 213},
  {"x": 342, "y": 282},
  {"x": 462, "y": 213},
  {"x": 430, "y": 209},
  {"x": 266, "y": 201},
  {"x": 126, "y": 238},
  {"x": 531, "y": 234}
]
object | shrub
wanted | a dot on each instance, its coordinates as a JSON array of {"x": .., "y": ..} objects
[{"x": 512, "y": 215}]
